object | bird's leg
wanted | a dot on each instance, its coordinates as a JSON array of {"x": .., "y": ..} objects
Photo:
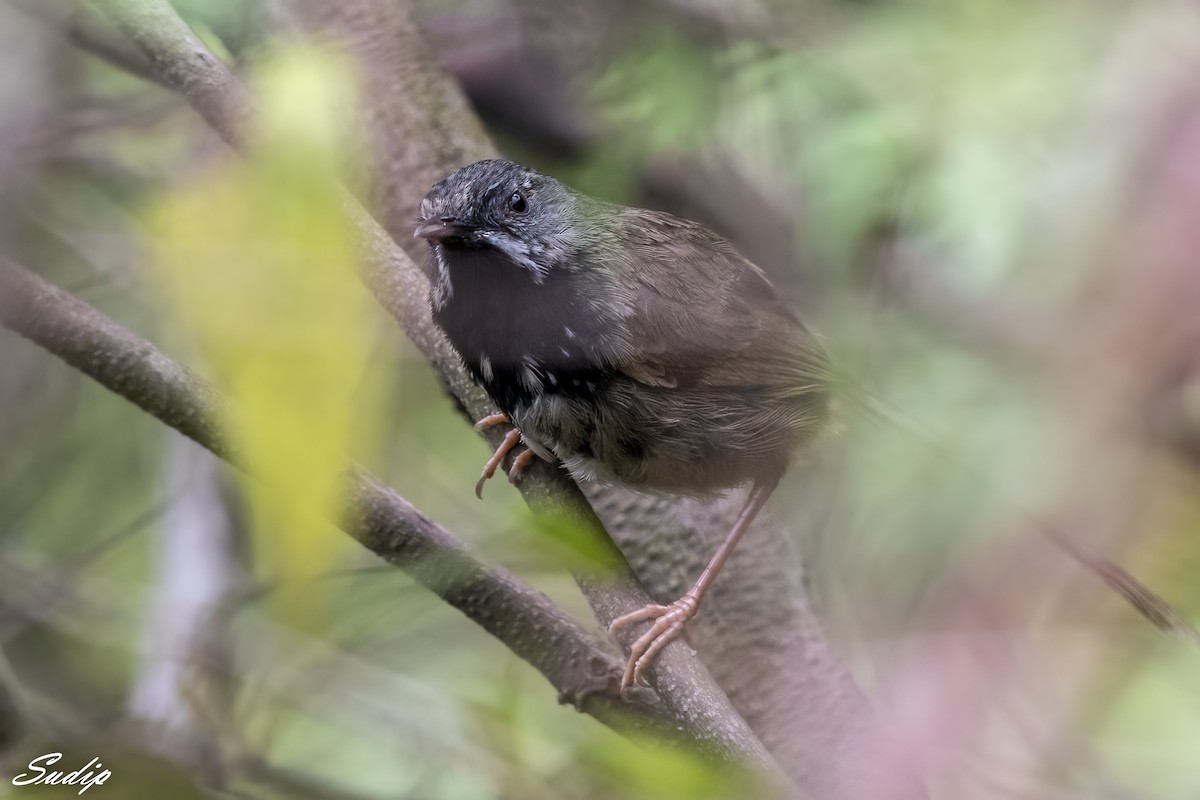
[
  {"x": 669, "y": 620},
  {"x": 511, "y": 440}
]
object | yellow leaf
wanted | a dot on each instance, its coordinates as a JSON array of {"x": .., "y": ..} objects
[{"x": 258, "y": 263}]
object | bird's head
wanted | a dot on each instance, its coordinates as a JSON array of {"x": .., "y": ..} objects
[{"x": 530, "y": 219}]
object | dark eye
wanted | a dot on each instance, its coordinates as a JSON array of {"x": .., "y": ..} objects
[{"x": 517, "y": 202}]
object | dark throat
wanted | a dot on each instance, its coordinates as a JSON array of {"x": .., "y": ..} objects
[{"x": 520, "y": 338}]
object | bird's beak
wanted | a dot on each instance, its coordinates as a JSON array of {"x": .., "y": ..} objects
[{"x": 435, "y": 230}]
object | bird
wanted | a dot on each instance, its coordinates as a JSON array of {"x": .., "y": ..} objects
[{"x": 629, "y": 345}]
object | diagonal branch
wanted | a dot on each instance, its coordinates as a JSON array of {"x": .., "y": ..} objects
[
  {"x": 182, "y": 62},
  {"x": 580, "y": 666}
]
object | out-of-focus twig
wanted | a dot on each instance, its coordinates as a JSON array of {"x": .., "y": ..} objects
[
  {"x": 87, "y": 31},
  {"x": 1157, "y": 611},
  {"x": 182, "y": 62}
]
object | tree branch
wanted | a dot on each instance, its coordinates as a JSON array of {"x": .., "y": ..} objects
[
  {"x": 579, "y": 665},
  {"x": 179, "y": 60}
]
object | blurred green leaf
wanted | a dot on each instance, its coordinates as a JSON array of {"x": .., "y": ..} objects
[{"x": 259, "y": 262}]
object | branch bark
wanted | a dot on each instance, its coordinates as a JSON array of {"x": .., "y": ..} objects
[{"x": 578, "y": 664}]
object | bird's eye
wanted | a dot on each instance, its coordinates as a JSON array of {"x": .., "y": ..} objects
[{"x": 517, "y": 202}]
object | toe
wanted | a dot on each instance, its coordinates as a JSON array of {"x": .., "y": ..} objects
[
  {"x": 644, "y": 613},
  {"x": 647, "y": 658}
]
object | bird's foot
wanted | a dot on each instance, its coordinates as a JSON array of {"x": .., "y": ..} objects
[
  {"x": 511, "y": 440},
  {"x": 668, "y": 624}
]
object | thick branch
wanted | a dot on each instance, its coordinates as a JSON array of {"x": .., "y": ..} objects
[{"x": 576, "y": 663}]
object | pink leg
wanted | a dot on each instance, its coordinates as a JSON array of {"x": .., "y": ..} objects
[
  {"x": 669, "y": 620},
  {"x": 511, "y": 440}
]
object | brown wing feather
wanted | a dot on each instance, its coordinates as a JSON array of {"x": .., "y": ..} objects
[{"x": 700, "y": 314}]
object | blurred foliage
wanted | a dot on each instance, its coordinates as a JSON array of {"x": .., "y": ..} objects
[
  {"x": 1013, "y": 146},
  {"x": 260, "y": 265}
]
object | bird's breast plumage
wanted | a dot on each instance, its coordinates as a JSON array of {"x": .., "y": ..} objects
[{"x": 535, "y": 347}]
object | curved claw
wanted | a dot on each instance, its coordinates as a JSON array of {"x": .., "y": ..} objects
[{"x": 511, "y": 440}]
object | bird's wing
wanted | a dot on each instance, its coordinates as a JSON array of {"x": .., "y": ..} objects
[{"x": 700, "y": 314}]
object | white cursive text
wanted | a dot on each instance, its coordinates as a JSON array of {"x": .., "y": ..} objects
[{"x": 87, "y": 776}]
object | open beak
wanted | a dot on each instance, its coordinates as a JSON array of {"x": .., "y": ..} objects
[{"x": 436, "y": 230}]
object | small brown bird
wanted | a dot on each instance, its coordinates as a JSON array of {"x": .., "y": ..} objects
[{"x": 631, "y": 345}]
